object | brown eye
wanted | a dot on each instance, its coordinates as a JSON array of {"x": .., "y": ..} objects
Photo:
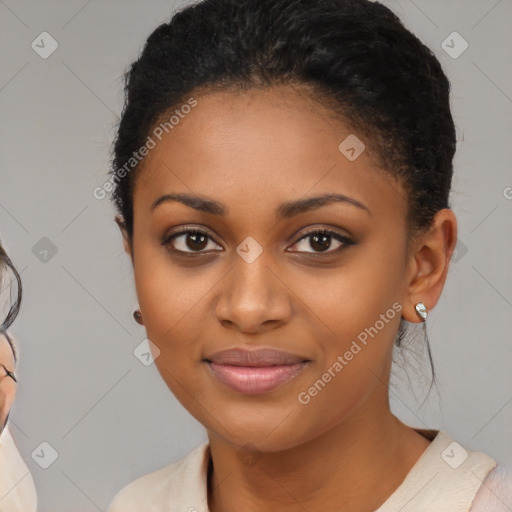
[
  {"x": 190, "y": 241},
  {"x": 321, "y": 241}
]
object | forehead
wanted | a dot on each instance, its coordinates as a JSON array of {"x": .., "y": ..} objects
[{"x": 261, "y": 146}]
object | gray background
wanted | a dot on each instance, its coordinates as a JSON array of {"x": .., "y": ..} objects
[{"x": 82, "y": 390}]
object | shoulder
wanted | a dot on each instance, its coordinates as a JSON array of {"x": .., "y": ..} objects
[
  {"x": 445, "y": 478},
  {"x": 495, "y": 493},
  {"x": 17, "y": 489},
  {"x": 176, "y": 485},
  {"x": 459, "y": 470}
]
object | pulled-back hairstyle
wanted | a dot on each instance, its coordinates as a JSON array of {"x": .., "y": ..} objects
[{"x": 353, "y": 57}]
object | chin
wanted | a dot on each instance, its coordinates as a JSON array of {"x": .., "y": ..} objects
[{"x": 253, "y": 431}]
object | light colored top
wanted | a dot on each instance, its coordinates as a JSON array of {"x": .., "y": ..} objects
[
  {"x": 445, "y": 478},
  {"x": 17, "y": 490},
  {"x": 495, "y": 495}
]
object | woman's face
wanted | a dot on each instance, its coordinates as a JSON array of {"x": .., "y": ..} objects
[
  {"x": 256, "y": 277},
  {"x": 7, "y": 385}
]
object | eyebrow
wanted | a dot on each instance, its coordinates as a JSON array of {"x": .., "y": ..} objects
[{"x": 284, "y": 210}]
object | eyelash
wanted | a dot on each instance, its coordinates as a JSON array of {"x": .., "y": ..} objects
[{"x": 346, "y": 242}]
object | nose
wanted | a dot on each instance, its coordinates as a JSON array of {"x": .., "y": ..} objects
[{"x": 253, "y": 298}]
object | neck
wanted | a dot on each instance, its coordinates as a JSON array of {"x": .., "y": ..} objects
[{"x": 359, "y": 463}]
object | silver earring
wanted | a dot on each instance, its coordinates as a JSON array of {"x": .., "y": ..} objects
[{"x": 421, "y": 309}]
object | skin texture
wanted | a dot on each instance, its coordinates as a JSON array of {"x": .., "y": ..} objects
[
  {"x": 7, "y": 385},
  {"x": 252, "y": 151}
]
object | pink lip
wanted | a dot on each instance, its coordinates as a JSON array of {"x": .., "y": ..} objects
[{"x": 255, "y": 371}]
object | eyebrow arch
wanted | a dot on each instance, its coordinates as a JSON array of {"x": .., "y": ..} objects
[{"x": 284, "y": 210}]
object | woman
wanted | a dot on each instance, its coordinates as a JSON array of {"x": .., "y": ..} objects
[
  {"x": 282, "y": 172},
  {"x": 17, "y": 490}
]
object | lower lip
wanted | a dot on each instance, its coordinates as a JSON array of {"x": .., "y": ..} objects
[{"x": 254, "y": 380}]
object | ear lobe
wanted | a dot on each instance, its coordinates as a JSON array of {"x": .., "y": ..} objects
[{"x": 126, "y": 239}]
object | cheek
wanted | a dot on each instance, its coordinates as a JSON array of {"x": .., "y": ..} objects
[
  {"x": 7, "y": 395},
  {"x": 345, "y": 301},
  {"x": 172, "y": 301},
  {"x": 357, "y": 313},
  {"x": 353, "y": 363},
  {"x": 166, "y": 291}
]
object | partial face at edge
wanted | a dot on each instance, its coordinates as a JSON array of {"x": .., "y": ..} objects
[
  {"x": 7, "y": 385},
  {"x": 311, "y": 296}
]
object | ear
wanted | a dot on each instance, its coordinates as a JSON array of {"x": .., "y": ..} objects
[
  {"x": 429, "y": 261},
  {"x": 126, "y": 239}
]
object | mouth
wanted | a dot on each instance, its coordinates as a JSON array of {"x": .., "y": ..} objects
[{"x": 256, "y": 371}]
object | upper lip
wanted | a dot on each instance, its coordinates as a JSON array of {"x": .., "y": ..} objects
[{"x": 255, "y": 357}]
